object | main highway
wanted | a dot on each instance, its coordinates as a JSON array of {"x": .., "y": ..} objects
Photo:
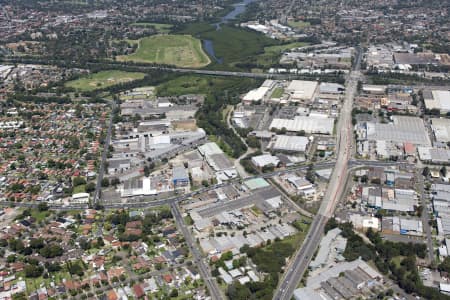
[
  {"x": 148, "y": 67},
  {"x": 301, "y": 259}
]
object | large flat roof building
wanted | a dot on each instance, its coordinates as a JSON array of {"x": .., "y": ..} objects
[
  {"x": 346, "y": 280},
  {"x": 290, "y": 143},
  {"x": 438, "y": 99},
  {"x": 261, "y": 161},
  {"x": 331, "y": 88},
  {"x": 255, "y": 95},
  {"x": 209, "y": 149},
  {"x": 402, "y": 130},
  {"x": 441, "y": 129},
  {"x": 301, "y": 90},
  {"x": 307, "y": 124}
]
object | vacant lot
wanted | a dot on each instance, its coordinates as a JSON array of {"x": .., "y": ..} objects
[
  {"x": 298, "y": 24},
  {"x": 200, "y": 84},
  {"x": 103, "y": 79},
  {"x": 178, "y": 50},
  {"x": 272, "y": 54}
]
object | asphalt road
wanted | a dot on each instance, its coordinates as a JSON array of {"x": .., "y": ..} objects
[
  {"x": 301, "y": 259},
  {"x": 143, "y": 68},
  {"x": 142, "y": 202},
  {"x": 101, "y": 172},
  {"x": 203, "y": 267},
  {"x": 425, "y": 218}
]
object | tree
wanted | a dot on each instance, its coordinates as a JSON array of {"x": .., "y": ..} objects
[
  {"x": 75, "y": 268},
  {"x": 115, "y": 181},
  {"x": 37, "y": 243},
  {"x": 174, "y": 293},
  {"x": 43, "y": 206},
  {"x": 444, "y": 266},
  {"x": 52, "y": 267},
  {"x": 50, "y": 251},
  {"x": 301, "y": 133},
  {"x": 310, "y": 176},
  {"x": 146, "y": 171},
  {"x": 78, "y": 181},
  {"x": 33, "y": 271},
  {"x": 90, "y": 187},
  {"x": 364, "y": 178},
  {"x": 444, "y": 171},
  {"x": 100, "y": 242},
  {"x": 253, "y": 142},
  {"x": 105, "y": 182},
  {"x": 426, "y": 172},
  {"x": 331, "y": 224}
]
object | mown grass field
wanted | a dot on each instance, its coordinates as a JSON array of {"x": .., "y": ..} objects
[
  {"x": 103, "y": 79},
  {"x": 277, "y": 93},
  {"x": 298, "y": 24},
  {"x": 160, "y": 27},
  {"x": 178, "y": 50}
]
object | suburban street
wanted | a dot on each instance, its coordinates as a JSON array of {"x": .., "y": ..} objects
[
  {"x": 425, "y": 217},
  {"x": 101, "y": 172},
  {"x": 203, "y": 267},
  {"x": 302, "y": 257}
]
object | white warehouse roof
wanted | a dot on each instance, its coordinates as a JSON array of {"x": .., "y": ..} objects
[
  {"x": 441, "y": 100},
  {"x": 302, "y": 89},
  {"x": 290, "y": 143},
  {"x": 265, "y": 160},
  {"x": 308, "y": 124},
  {"x": 257, "y": 94},
  {"x": 402, "y": 130},
  {"x": 331, "y": 88},
  {"x": 209, "y": 149},
  {"x": 441, "y": 129}
]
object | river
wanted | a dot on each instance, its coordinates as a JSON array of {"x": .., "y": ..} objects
[{"x": 238, "y": 9}]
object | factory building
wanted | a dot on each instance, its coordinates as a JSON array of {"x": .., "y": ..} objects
[{"x": 309, "y": 125}]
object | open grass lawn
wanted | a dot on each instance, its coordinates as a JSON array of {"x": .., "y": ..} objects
[
  {"x": 103, "y": 79},
  {"x": 79, "y": 189},
  {"x": 277, "y": 93},
  {"x": 40, "y": 215},
  {"x": 298, "y": 24},
  {"x": 160, "y": 27},
  {"x": 178, "y": 50}
]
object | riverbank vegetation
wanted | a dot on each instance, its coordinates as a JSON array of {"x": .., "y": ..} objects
[{"x": 241, "y": 48}]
